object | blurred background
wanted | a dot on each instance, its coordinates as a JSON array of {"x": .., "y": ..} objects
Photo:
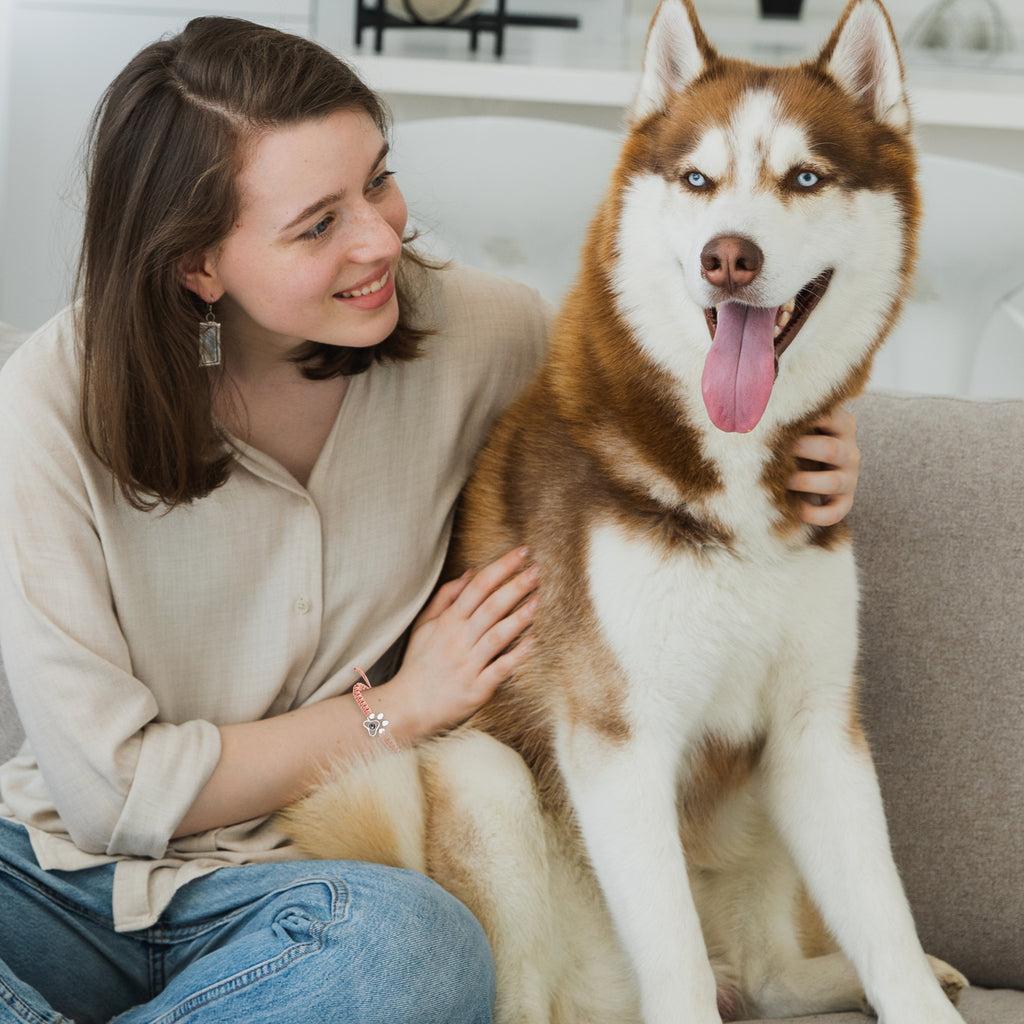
[{"x": 502, "y": 157}]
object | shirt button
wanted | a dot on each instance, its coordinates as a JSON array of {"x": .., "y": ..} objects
[{"x": 303, "y": 607}]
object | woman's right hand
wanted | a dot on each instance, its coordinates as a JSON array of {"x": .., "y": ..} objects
[{"x": 469, "y": 638}]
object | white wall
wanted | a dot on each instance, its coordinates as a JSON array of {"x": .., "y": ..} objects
[
  {"x": 5, "y": 105},
  {"x": 62, "y": 55}
]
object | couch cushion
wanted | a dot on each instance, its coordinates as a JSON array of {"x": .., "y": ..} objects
[
  {"x": 940, "y": 545},
  {"x": 976, "y": 1006}
]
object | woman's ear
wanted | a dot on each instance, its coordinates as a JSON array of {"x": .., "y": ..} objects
[{"x": 199, "y": 274}]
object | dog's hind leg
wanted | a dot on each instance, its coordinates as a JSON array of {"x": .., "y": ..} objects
[
  {"x": 824, "y": 980},
  {"x": 368, "y": 810},
  {"x": 486, "y": 844},
  {"x": 805, "y": 986},
  {"x": 750, "y": 908}
]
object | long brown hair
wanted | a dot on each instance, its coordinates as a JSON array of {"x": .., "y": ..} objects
[{"x": 166, "y": 145}]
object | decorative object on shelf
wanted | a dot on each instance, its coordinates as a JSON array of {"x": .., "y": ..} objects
[
  {"x": 379, "y": 15},
  {"x": 961, "y": 26},
  {"x": 428, "y": 12},
  {"x": 781, "y": 8}
]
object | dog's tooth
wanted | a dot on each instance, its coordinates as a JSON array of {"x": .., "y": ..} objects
[
  {"x": 785, "y": 315},
  {"x": 789, "y": 307}
]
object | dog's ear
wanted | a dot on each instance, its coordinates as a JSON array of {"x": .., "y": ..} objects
[
  {"x": 677, "y": 51},
  {"x": 864, "y": 58}
]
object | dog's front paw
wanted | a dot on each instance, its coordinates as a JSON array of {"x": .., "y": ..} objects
[{"x": 951, "y": 980}]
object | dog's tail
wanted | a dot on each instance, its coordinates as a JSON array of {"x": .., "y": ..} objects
[{"x": 369, "y": 810}]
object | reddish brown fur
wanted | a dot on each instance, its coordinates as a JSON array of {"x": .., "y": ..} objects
[
  {"x": 715, "y": 772},
  {"x": 452, "y": 852},
  {"x": 855, "y": 727},
  {"x": 815, "y": 939}
]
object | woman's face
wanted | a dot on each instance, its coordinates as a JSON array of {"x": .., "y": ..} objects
[{"x": 312, "y": 255}]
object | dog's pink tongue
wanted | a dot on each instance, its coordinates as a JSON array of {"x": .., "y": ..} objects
[{"x": 740, "y": 368}]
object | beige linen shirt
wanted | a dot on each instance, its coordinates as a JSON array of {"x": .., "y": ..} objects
[{"x": 128, "y": 636}]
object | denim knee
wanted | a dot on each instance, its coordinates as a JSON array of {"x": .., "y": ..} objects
[
  {"x": 421, "y": 951},
  {"x": 334, "y": 941}
]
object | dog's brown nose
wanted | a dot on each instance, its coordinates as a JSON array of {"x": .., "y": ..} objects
[{"x": 730, "y": 262}]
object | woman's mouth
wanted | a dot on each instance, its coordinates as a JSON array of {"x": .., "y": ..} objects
[{"x": 369, "y": 289}]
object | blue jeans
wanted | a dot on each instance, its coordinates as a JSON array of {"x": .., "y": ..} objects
[{"x": 317, "y": 942}]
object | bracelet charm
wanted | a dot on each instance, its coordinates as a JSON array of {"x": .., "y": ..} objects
[{"x": 375, "y": 724}]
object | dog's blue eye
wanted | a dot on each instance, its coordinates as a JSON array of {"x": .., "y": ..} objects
[
  {"x": 696, "y": 180},
  {"x": 807, "y": 179}
]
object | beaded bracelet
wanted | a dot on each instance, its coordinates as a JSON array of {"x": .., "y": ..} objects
[{"x": 375, "y": 725}]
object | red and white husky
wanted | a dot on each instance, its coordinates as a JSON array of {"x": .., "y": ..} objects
[{"x": 649, "y": 819}]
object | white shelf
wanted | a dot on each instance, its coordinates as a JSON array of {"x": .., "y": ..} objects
[
  {"x": 579, "y": 68},
  {"x": 938, "y": 98},
  {"x": 419, "y": 76},
  {"x": 966, "y": 99}
]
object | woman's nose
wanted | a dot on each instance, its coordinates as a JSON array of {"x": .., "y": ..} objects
[{"x": 377, "y": 231}]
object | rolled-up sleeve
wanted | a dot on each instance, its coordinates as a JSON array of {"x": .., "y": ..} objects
[{"x": 153, "y": 808}]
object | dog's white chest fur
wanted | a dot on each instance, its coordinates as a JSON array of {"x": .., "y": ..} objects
[{"x": 702, "y": 637}]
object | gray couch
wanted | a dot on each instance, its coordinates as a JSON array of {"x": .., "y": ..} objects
[{"x": 940, "y": 542}]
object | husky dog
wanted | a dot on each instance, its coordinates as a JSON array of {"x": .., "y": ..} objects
[{"x": 671, "y": 814}]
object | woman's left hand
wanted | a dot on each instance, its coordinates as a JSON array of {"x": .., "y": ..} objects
[{"x": 826, "y": 491}]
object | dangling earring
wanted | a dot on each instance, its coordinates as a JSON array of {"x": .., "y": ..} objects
[{"x": 209, "y": 339}]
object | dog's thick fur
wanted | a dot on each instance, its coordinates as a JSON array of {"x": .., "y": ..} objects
[{"x": 671, "y": 813}]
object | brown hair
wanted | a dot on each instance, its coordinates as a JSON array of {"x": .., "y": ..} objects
[{"x": 167, "y": 142}]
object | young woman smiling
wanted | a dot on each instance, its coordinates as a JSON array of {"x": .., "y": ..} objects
[{"x": 227, "y": 481}]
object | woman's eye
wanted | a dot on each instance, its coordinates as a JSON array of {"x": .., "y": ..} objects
[
  {"x": 318, "y": 229},
  {"x": 807, "y": 179},
  {"x": 381, "y": 180},
  {"x": 696, "y": 180}
]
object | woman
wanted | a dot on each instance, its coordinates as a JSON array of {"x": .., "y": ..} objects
[{"x": 226, "y": 484}]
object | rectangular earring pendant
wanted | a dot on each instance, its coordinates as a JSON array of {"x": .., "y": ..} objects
[{"x": 209, "y": 341}]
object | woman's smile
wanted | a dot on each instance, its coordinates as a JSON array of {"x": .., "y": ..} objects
[{"x": 372, "y": 295}]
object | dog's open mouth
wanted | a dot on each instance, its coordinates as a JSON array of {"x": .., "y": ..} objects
[{"x": 747, "y": 342}]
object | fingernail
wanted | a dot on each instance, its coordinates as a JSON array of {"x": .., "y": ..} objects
[{"x": 524, "y": 553}]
